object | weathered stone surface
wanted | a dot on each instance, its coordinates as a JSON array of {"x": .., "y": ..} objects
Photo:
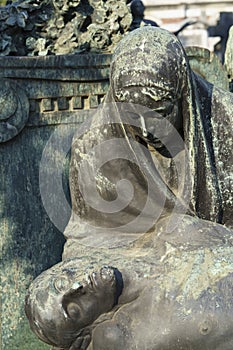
[
  {"x": 165, "y": 234},
  {"x": 229, "y": 57},
  {"x": 208, "y": 66},
  {"x": 40, "y": 28},
  {"x": 30, "y": 242},
  {"x": 14, "y": 108},
  {"x": 150, "y": 69},
  {"x": 173, "y": 283}
]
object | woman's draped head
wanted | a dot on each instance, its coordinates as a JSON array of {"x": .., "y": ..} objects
[{"x": 152, "y": 59}]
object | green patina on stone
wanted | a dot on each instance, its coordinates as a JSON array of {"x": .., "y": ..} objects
[{"x": 30, "y": 242}]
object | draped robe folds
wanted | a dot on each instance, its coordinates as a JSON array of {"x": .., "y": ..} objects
[
  {"x": 164, "y": 220},
  {"x": 152, "y": 61}
]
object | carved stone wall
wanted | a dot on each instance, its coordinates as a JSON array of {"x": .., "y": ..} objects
[{"x": 54, "y": 88}]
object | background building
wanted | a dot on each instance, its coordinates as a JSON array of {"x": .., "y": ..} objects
[{"x": 172, "y": 14}]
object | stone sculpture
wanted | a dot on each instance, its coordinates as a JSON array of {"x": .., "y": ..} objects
[
  {"x": 164, "y": 258},
  {"x": 174, "y": 293},
  {"x": 137, "y": 9},
  {"x": 14, "y": 106},
  {"x": 208, "y": 66},
  {"x": 150, "y": 68},
  {"x": 32, "y": 28},
  {"x": 229, "y": 58}
]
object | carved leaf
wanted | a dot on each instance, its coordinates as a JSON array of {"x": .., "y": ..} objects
[
  {"x": 11, "y": 21},
  {"x": 63, "y": 26}
]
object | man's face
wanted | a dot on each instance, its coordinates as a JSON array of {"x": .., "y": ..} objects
[
  {"x": 63, "y": 302},
  {"x": 93, "y": 296}
]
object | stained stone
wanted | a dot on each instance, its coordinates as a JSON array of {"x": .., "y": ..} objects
[
  {"x": 52, "y": 28},
  {"x": 208, "y": 65},
  {"x": 229, "y": 58},
  {"x": 148, "y": 258},
  {"x": 30, "y": 242},
  {"x": 42, "y": 94}
]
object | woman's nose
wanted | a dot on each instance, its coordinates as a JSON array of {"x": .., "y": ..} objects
[
  {"x": 150, "y": 126},
  {"x": 158, "y": 129}
]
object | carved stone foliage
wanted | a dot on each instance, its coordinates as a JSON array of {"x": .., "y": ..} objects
[
  {"x": 51, "y": 27},
  {"x": 14, "y": 107}
]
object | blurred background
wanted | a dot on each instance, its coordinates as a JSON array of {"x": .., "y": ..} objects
[{"x": 211, "y": 21}]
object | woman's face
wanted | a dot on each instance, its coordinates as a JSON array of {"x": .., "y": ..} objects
[{"x": 161, "y": 119}]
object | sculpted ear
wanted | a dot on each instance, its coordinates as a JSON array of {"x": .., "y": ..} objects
[
  {"x": 73, "y": 310},
  {"x": 69, "y": 305}
]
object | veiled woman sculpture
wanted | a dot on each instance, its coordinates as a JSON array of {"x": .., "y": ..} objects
[{"x": 171, "y": 285}]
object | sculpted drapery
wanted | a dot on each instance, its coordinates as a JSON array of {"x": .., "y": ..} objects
[
  {"x": 150, "y": 69},
  {"x": 165, "y": 234}
]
